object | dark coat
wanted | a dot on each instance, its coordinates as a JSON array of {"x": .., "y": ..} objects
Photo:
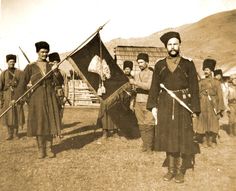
[
  {"x": 9, "y": 80},
  {"x": 43, "y": 116},
  {"x": 208, "y": 120},
  {"x": 174, "y": 132}
]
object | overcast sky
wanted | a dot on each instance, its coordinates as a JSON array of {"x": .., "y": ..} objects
[{"x": 67, "y": 23}]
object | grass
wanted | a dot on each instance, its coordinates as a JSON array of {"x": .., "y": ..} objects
[{"x": 86, "y": 162}]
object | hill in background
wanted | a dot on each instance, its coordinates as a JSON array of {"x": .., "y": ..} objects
[{"x": 212, "y": 37}]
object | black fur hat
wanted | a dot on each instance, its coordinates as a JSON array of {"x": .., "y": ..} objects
[
  {"x": 10, "y": 57},
  {"x": 41, "y": 45},
  {"x": 54, "y": 57}
]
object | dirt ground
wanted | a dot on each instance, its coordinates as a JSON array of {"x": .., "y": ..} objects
[{"x": 85, "y": 162}]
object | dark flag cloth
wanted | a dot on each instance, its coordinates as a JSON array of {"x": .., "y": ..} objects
[{"x": 96, "y": 66}]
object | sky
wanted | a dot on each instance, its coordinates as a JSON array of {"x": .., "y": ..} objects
[{"x": 65, "y": 24}]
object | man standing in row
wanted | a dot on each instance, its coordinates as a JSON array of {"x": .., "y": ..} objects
[
  {"x": 9, "y": 81},
  {"x": 212, "y": 105},
  {"x": 174, "y": 133},
  {"x": 142, "y": 83},
  {"x": 231, "y": 107},
  {"x": 60, "y": 82},
  {"x": 43, "y": 115}
]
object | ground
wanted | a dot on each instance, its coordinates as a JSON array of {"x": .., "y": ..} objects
[{"x": 85, "y": 162}]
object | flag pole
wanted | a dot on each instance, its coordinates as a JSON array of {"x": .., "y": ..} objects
[{"x": 47, "y": 74}]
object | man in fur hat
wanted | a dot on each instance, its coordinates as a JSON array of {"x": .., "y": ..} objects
[
  {"x": 44, "y": 115},
  {"x": 212, "y": 105},
  {"x": 60, "y": 82},
  {"x": 174, "y": 131},
  {"x": 9, "y": 80},
  {"x": 142, "y": 83},
  {"x": 231, "y": 107}
]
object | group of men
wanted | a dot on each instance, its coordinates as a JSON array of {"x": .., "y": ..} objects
[
  {"x": 173, "y": 106},
  {"x": 45, "y": 101},
  {"x": 170, "y": 103}
]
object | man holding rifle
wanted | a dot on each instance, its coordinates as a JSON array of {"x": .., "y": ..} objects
[
  {"x": 174, "y": 100},
  {"x": 9, "y": 81},
  {"x": 44, "y": 115},
  {"x": 60, "y": 83},
  {"x": 212, "y": 105}
]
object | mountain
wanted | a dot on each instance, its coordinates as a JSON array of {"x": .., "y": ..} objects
[{"x": 212, "y": 37}]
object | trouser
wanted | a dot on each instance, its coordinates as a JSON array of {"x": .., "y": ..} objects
[{"x": 44, "y": 143}]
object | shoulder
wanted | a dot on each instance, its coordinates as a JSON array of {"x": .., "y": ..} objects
[
  {"x": 160, "y": 63},
  {"x": 187, "y": 58}
]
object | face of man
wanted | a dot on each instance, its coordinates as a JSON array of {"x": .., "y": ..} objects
[
  {"x": 218, "y": 77},
  {"x": 234, "y": 81},
  {"x": 142, "y": 64},
  {"x": 43, "y": 54},
  {"x": 207, "y": 72},
  {"x": 11, "y": 63},
  {"x": 173, "y": 47},
  {"x": 127, "y": 71}
]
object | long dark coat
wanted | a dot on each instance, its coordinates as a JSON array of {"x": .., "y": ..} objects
[
  {"x": 208, "y": 120},
  {"x": 43, "y": 115},
  {"x": 8, "y": 83},
  {"x": 174, "y": 132}
]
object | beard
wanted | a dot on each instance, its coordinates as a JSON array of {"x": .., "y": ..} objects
[{"x": 173, "y": 53}]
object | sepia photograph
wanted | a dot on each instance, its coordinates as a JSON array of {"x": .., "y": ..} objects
[{"x": 117, "y": 95}]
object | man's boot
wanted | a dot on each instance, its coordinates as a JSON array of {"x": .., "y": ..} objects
[
  {"x": 115, "y": 133},
  {"x": 105, "y": 134},
  {"x": 16, "y": 133},
  {"x": 48, "y": 142},
  {"x": 41, "y": 147},
  {"x": 10, "y": 133},
  {"x": 204, "y": 141},
  {"x": 143, "y": 137},
  {"x": 212, "y": 140},
  {"x": 234, "y": 129},
  {"x": 171, "y": 169},
  {"x": 179, "y": 177},
  {"x": 149, "y": 136}
]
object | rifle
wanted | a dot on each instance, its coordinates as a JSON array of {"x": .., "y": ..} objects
[
  {"x": 210, "y": 100},
  {"x": 24, "y": 54},
  {"x": 49, "y": 73}
]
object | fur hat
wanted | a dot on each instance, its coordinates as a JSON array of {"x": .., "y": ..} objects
[
  {"x": 209, "y": 63},
  {"x": 54, "y": 57},
  {"x": 128, "y": 64},
  {"x": 167, "y": 36},
  {"x": 218, "y": 72},
  {"x": 143, "y": 56},
  {"x": 41, "y": 45},
  {"x": 10, "y": 57}
]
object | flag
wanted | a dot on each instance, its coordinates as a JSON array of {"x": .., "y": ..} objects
[{"x": 96, "y": 66}]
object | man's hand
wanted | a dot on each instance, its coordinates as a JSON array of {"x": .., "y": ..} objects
[
  {"x": 13, "y": 102},
  {"x": 132, "y": 81},
  {"x": 54, "y": 67},
  {"x": 154, "y": 113}
]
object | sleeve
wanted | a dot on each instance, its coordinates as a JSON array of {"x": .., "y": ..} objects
[
  {"x": 145, "y": 85},
  {"x": 220, "y": 106},
  {"x": 154, "y": 90},
  {"x": 24, "y": 80},
  {"x": 194, "y": 88},
  {"x": 66, "y": 84}
]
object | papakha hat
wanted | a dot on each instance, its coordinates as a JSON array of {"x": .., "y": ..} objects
[
  {"x": 143, "y": 56},
  {"x": 54, "y": 57},
  {"x": 41, "y": 45},
  {"x": 128, "y": 64},
  {"x": 10, "y": 57},
  {"x": 167, "y": 36},
  {"x": 209, "y": 63}
]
